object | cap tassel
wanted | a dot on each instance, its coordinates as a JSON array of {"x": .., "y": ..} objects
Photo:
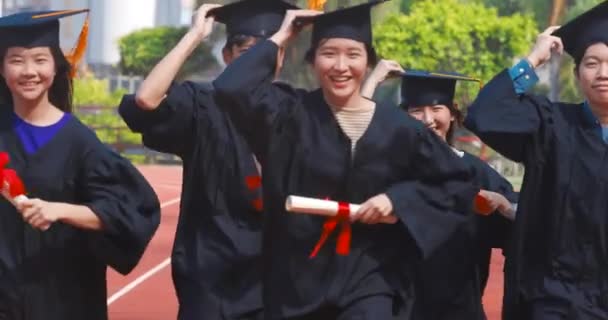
[
  {"x": 78, "y": 51},
  {"x": 316, "y": 4}
]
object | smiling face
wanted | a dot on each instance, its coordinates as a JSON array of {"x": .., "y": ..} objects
[
  {"x": 340, "y": 65},
  {"x": 592, "y": 74},
  {"x": 28, "y": 72},
  {"x": 437, "y": 118}
]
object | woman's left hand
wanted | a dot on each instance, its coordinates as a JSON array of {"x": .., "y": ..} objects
[
  {"x": 374, "y": 209},
  {"x": 38, "y": 213}
]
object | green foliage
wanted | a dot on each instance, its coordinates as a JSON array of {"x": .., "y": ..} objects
[
  {"x": 96, "y": 107},
  {"x": 110, "y": 128},
  {"x": 539, "y": 10},
  {"x": 405, "y": 5},
  {"x": 444, "y": 35},
  {"x": 578, "y": 7},
  {"x": 141, "y": 50},
  {"x": 567, "y": 81},
  {"x": 89, "y": 91}
]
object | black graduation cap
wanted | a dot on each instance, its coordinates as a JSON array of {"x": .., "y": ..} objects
[
  {"x": 424, "y": 88},
  {"x": 589, "y": 28},
  {"x": 350, "y": 23},
  {"x": 258, "y": 18},
  {"x": 33, "y": 29}
]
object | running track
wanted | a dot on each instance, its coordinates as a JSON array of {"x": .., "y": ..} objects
[{"x": 147, "y": 293}]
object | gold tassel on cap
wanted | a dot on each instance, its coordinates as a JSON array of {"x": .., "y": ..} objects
[
  {"x": 316, "y": 4},
  {"x": 78, "y": 51}
]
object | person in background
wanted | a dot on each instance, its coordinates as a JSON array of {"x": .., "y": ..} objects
[
  {"x": 450, "y": 284},
  {"x": 557, "y": 261},
  {"x": 216, "y": 256}
]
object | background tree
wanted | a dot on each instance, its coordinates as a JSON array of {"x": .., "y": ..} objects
[
  {"x": 444, "y": 35},
  {"x": 96, "y": 106},
  {"x": 141, "y": 50},
  {"x": 92, "y": 92}
]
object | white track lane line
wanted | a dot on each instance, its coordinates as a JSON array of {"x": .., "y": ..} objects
[{"x": 133, "y": 284}]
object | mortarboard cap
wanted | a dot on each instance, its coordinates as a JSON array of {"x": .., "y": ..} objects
[
  {"x": 423, "y": 88},
  {"x": 588, "y": 28},
  {"x": 350, "y": 23},
  {"x": 258, "y": 18},
  {"x": 41, "y": 29},
  {"x": 33, "y": 29}
]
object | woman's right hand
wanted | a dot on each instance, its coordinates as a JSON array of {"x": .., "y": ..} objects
[
  {"x": 383, "y": 69},
  {"x": 202, "y": 25},
  {"x": 546, "y": 43},
  {"x": 288, "y": 29}
]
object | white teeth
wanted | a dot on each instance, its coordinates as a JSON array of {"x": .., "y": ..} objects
[{"x": 340, "y": 79}]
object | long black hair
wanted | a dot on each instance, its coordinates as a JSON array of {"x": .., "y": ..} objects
[
  {"x": 60, "y": 92},
  {"x": 454, "y": 124}
]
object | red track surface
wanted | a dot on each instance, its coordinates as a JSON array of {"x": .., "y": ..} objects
[{"x": 147, "y": 293}]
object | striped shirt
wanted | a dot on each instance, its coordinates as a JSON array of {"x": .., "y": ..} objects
[{"x": 353, "y": 123}]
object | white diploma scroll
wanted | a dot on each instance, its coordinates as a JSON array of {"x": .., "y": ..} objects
[{"x": 325, "y": 208}]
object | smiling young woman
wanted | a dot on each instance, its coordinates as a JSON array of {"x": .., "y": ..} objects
[
  {"x": 334, "y": 143},
  {"x": 88, "y": 208},
  {"x": 455, "y": 292}
]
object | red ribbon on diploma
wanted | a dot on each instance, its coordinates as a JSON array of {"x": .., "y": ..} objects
[
  {"x": 344, "y": 235},
  {"x": 10, "y": 178},
  {"x": 482, "y": 205}
]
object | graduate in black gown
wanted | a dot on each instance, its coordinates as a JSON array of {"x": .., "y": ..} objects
[
  {"x": 450, "y": 284},
  {"x": 557, "y": 263},
  {"x": 333, "y": 143},
  {"x": 216, "y": 257},
  {"x": 88, "y": 208}
]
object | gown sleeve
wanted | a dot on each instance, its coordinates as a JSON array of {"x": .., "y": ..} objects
[
  {"x": 256, "y": 105},
  {"x": 512, "y": 124},
  {"x": 124, "y": 202},
  {"x": 438, "y": 198},
  {"x": 169, "y": 127}
]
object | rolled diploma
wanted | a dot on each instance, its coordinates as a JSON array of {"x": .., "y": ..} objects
[{"x": 326, "y": 208}]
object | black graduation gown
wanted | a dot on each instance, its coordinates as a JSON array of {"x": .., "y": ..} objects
[
  {"x": 60, "y": 274},
  {"x": 304, "y": 152},
  {"x": 558, "y": 258},
  {"x": 450, "y": 284},
  {"x": 216, "y": 256}
]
